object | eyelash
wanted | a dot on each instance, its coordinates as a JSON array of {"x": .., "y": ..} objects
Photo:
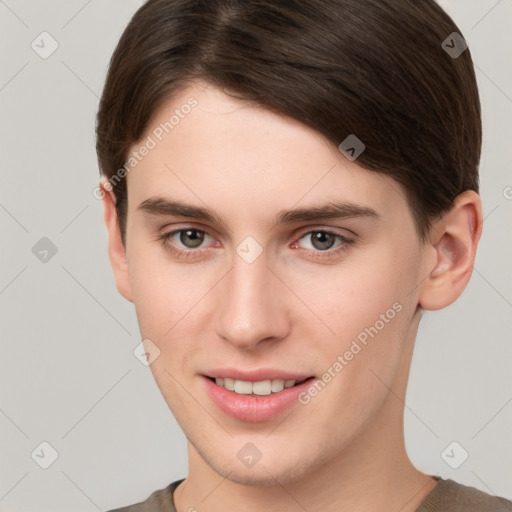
[
  {"x": 181, "y": 253},
  {"x": 326, "y": 254},
  {"x": 315, "y": 254}
]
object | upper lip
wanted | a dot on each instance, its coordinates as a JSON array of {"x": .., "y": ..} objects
[{"x": 256, "y": 375}]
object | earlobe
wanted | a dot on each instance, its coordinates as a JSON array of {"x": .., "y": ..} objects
[
  {"x": 116, "y": 248},
  {"x": 454, "y": 242}
]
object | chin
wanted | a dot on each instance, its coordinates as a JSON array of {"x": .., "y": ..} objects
[
  {"x": 259, "y": 479},
  {"x": 264, "y": 476},
  {"x": 263, "y": 473}
]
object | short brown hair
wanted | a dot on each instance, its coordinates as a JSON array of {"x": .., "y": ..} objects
[{"x": 373, "y": 68}]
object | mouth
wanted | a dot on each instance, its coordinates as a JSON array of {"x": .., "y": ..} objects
[
  {"x": 255, "y": 400},
  {"x": 259, "y": 388}
]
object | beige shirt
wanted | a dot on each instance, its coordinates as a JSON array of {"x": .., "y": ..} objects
[{"x": 446, "y": 496}]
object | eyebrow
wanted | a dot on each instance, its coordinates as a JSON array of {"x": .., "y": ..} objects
[
  {"x": 160, "y": 206},
  {"x": 329, "y": 211}
]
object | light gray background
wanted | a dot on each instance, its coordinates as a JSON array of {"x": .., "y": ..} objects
[{"x": 68, "y": 374}]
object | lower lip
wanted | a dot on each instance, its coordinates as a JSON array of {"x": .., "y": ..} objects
[{"x": 253, "y": 407}]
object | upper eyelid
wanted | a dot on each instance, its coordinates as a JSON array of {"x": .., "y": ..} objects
[
  {"x": 343, "y": 238},
  {"x": 346, "y": 236},
  {"x": 301, "y": 231},
  {"x": 170, "y": 234},
  {"x": 165, "y": 230}
]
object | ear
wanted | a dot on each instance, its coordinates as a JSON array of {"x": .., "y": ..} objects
[
  {"x": 116, "y": 248},
  {"x": 454, "y": 239}
]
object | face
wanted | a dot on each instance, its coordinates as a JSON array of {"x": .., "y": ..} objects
[{"x": 257, "y": 252}]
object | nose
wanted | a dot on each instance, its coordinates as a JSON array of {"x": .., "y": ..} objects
[{"x": 253, "y": 305}]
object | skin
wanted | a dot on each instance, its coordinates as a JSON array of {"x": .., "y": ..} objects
[{"x": 288, "y": 309}]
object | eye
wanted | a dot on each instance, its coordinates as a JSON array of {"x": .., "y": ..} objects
[
  {"x": 190, "y": 238},
  {"x": 322, "y": 241},
  {"x": 186, "y": 242}
]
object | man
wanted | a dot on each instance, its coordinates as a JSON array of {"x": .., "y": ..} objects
[{"x": 286, "y": 187}]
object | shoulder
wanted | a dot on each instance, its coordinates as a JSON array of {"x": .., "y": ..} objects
[
  {"x": 451, "y": 496},
  {"x": 157, "y": 501}
]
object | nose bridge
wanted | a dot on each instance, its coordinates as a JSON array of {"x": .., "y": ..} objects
[{"x": 251, "y": 309}]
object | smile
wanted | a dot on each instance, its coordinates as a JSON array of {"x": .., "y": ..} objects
[
  {"x": 254, "y": 400},
  {"x": 260, "y": 388}
]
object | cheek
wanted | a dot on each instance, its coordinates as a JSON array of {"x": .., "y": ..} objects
[
  {"x": 164, "y": 293},
  {"x": 370, "y": 317},
  {"x": 367, "y": 306},
  {"x": 349, "y": 301}
]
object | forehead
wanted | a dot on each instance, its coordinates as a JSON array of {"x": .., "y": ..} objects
[{"x": 203, "y": 146}]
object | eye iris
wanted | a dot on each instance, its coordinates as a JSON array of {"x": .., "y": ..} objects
[
  {"x": 322, "y": 240},
  {"x": 191, "y": 237}
]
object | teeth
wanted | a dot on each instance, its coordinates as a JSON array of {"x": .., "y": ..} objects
[
  {"x": 262, "y": 387},
  {"x": 229, "y": 384},
  {"x": 243, "y": 387},
  {"x": 277, "y": 385}
]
